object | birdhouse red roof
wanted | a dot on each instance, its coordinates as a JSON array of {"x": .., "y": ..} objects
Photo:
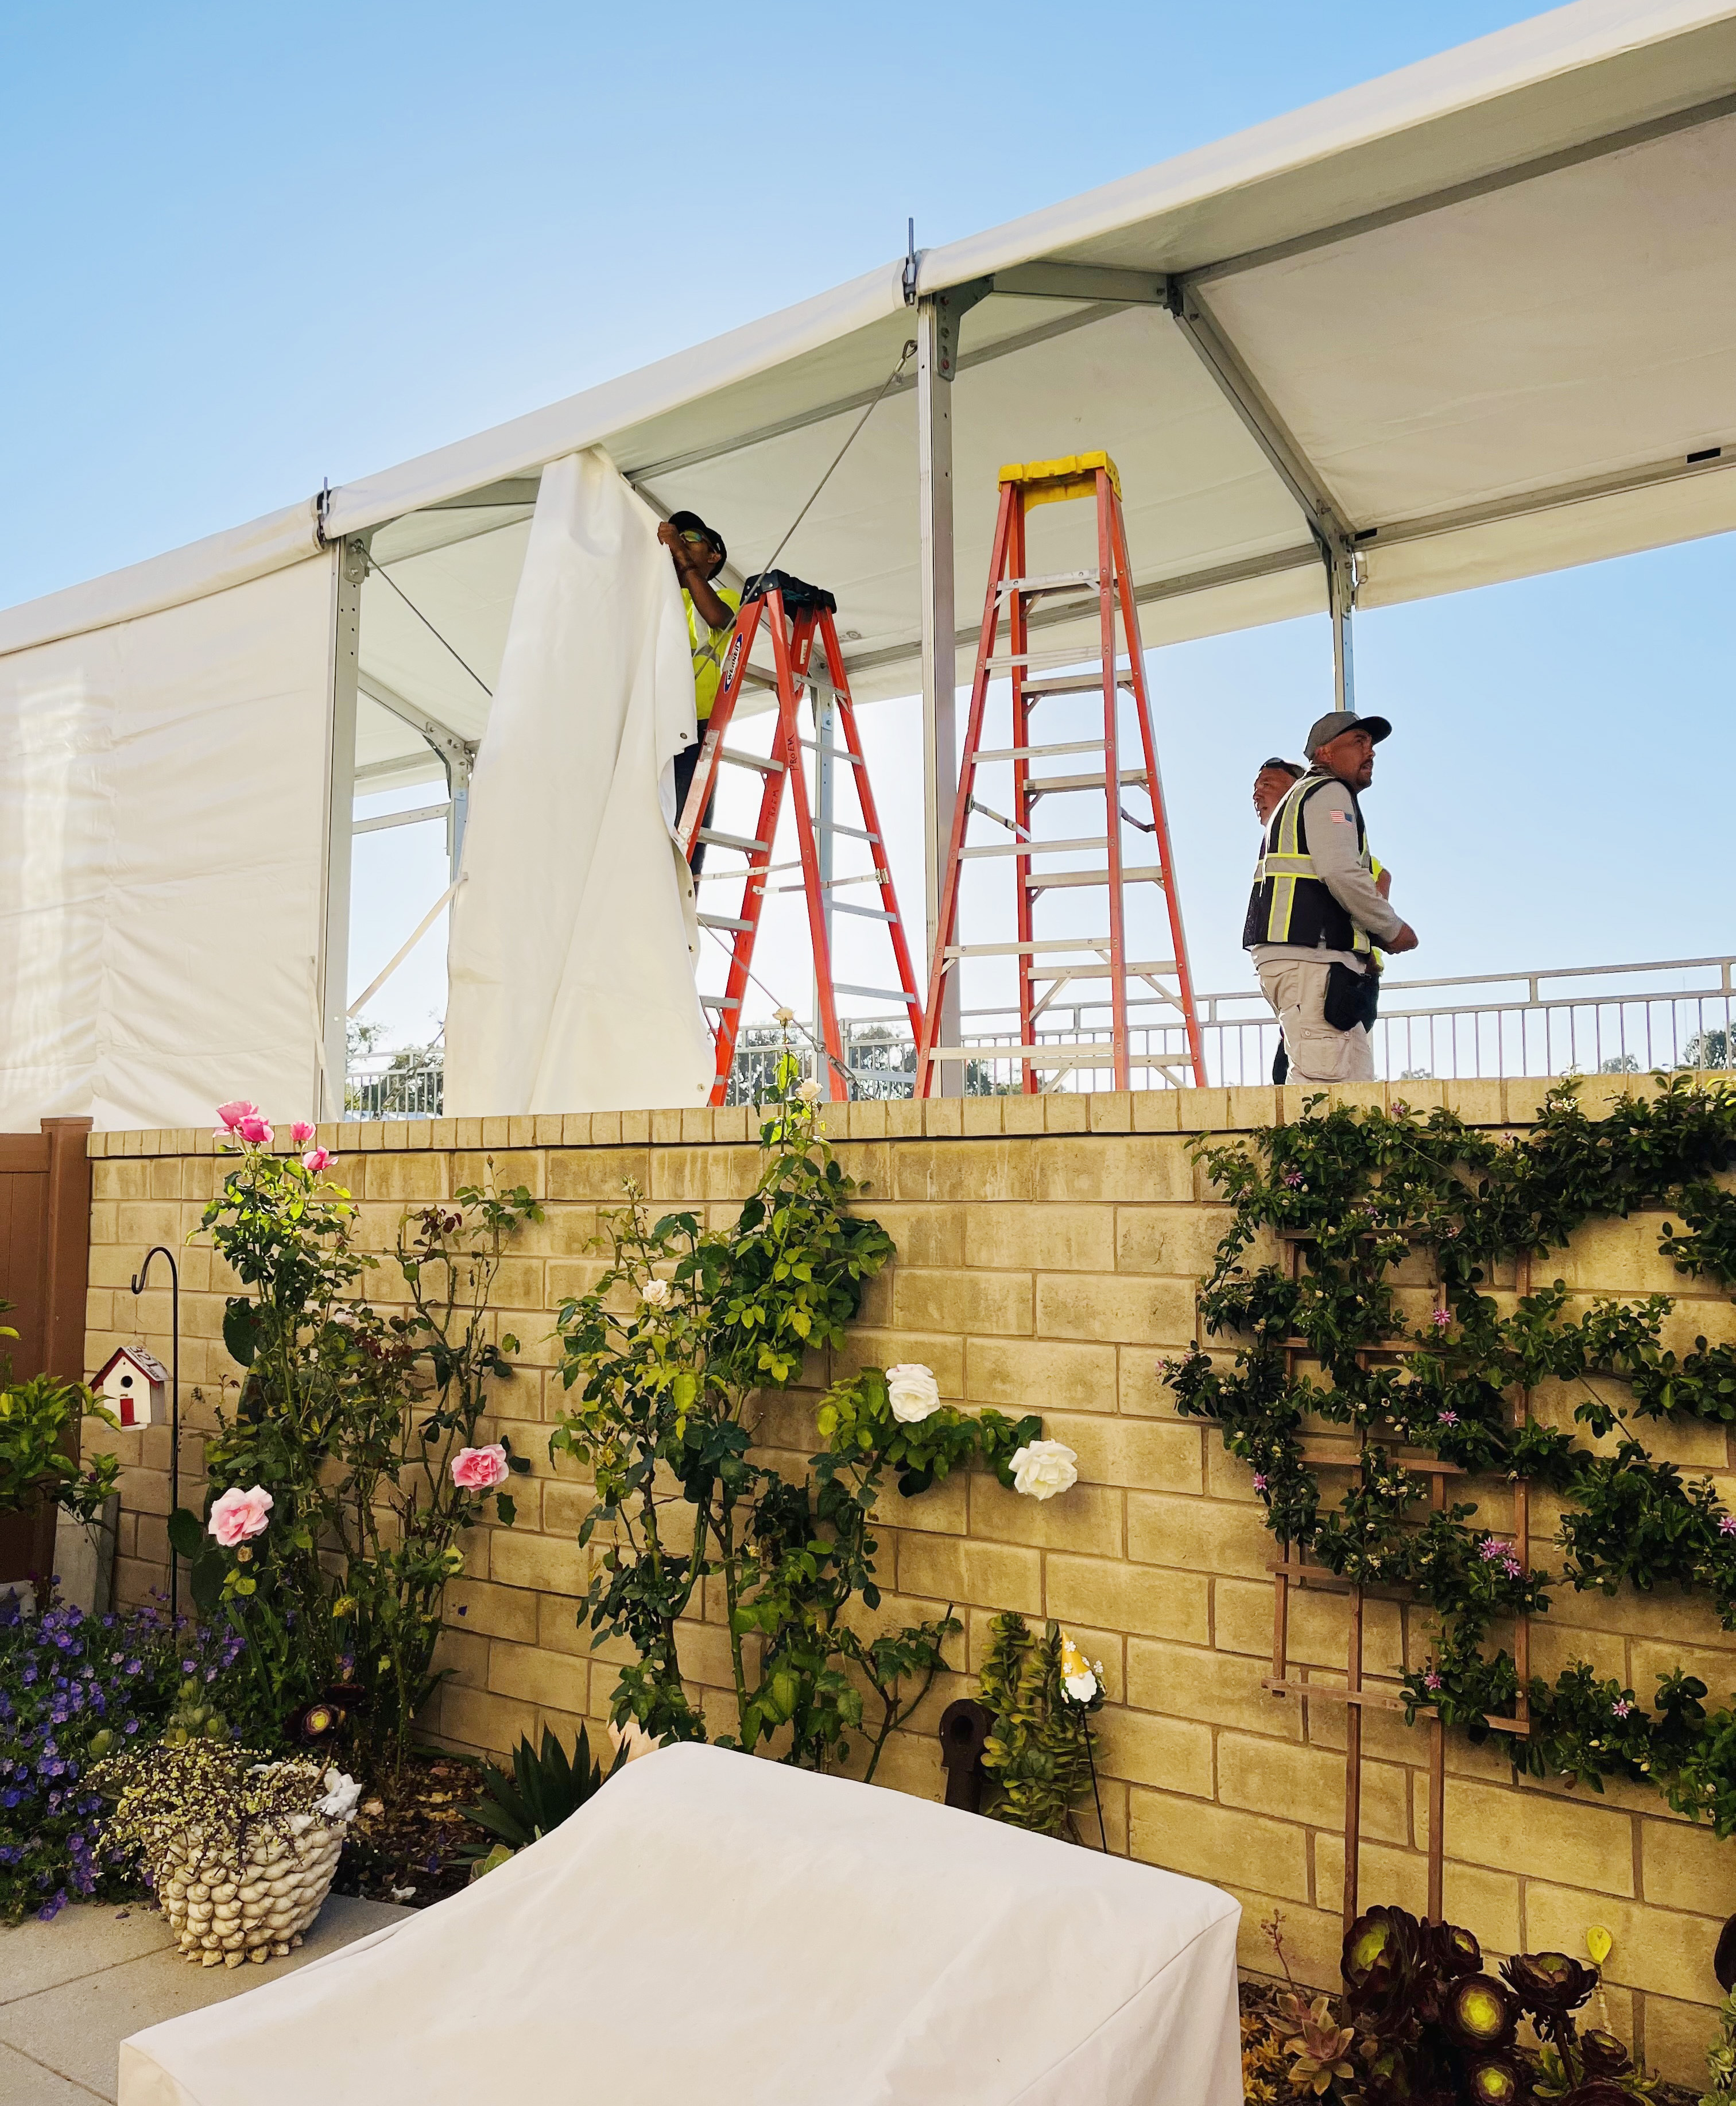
[{"x": 147, "y": 1364}]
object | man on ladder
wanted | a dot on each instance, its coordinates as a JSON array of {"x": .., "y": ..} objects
[{"x": 698, "y": 553}]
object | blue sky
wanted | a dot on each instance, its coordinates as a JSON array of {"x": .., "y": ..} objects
[{"x": 249, "y": 248}]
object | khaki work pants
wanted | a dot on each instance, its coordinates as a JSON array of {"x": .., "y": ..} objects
[{"x": 1318, "y": 1052}]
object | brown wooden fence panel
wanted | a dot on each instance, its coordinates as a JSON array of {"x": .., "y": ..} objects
[{"x": 45, "y": 1221}]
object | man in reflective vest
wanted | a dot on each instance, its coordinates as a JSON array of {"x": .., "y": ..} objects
[
  {"x": 698, "y": 553},
  {"x": 1316, "y": 910}
]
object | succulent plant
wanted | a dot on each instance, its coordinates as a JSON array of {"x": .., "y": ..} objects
[
  {"x": 1480, "y": 2013},
  {"x": 1321, "y": 2045},
  {"x": 1602, "y": 2054},
  {"x": 1493, "y": 2081},
  {"x": 1550, "y": 1985}
]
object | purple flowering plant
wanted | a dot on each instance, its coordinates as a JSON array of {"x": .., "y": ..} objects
[{"x": 73, "y": 1689}]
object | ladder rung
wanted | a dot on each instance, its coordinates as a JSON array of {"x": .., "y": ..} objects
[
  {"x": 750, "y": 760},
  {"x": 1098, "y": 1053},
  {"x": 1146, "y": 874},
  {"x": 836, "y": 752},
  {"x": 730, "y": 840},
  {"x": 856, "y": 833},
  {"x": 1037, "y": 752},
  {"x": 1055, "y": 581},
  {"x": 719, "y": 1001},
  {"x": 1049, "y": 786},
  {"x": 1024, "y": 950},
  {"x": 879, "y": 994},
  {"x": 867, "y": 913},
  {"x": 1098, "y": 970},
  {"x": 1035, "y": 848},
  {"x": 722, "y": 921},
  {"x": 1073, "y": 683}
]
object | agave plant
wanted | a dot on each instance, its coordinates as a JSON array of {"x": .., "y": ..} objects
[
  {"x": 546, "y": 1786},
  {"x": 1551, "y": 1987},
  {"x": 1322, "y": 2047}
]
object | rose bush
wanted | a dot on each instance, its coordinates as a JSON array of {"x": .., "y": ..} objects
[
  {"x": 348, "y": 1464},
  {"x": 1043, "y": 1468}
]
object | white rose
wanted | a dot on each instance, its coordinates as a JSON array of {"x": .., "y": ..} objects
[
  {"x": 655, "y": 1292},
  {"x": 913, "y": 1392},
  {"x": 1044, "y": 1468},
  {"x": 809, "y": 1091},
  {"x": 786, "y": 1017}
]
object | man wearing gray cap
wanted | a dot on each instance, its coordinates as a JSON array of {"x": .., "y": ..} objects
[{"x": 1316, "y": 912}]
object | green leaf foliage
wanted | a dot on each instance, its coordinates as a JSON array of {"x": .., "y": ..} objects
[{"x": 1372, "y": 1191}]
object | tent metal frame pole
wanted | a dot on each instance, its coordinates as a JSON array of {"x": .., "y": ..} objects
[
  {"x": 456, "y": 755},
  {"x": 1341, "y": 577},
  {"x": 937, "y": 352},
  {"x": 350, "y": 567}
]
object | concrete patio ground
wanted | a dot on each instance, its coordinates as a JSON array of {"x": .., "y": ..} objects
[{"x": 73, "y": 1990}]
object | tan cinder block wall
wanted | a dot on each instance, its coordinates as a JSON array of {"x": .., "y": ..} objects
[{"x": 1049, "y": 1252}]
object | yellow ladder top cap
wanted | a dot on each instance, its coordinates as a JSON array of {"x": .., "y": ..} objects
[{"x": 1077, "y": 469}]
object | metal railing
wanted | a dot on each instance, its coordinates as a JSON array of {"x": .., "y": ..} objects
[{"x": 1611, "y": 1019}]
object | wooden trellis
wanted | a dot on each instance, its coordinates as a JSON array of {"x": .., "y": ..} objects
[{"x": 1293, "y": 1570}]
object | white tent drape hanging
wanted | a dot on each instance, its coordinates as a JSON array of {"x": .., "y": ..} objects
[
  {"x": 571, "y": 953},
  {"x": 162, "y": 785}
]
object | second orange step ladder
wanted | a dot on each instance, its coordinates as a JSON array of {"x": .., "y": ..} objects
[{"x": 1057, "y": 964}]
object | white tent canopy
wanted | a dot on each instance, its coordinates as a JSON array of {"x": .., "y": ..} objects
[{"x": 1467, "y": 323}]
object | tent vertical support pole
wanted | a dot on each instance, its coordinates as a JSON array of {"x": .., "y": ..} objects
[
  {"x": 1341, "y": 600},
  {"x": 457, "y": 767},
  {"x": 936, "y": 348},
  {"x": 351, "y": 568}
]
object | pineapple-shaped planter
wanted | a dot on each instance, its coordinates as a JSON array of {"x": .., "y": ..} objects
[{"x": 241, "y": 1851}]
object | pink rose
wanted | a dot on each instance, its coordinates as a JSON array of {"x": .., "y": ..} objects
[
  {"x": 300, "y": 1133},
  {"x": 255, "y": 1129},
  {"x": 232, "y": 1114},
  {"x": 316, "y": 1160},
  {"x": 238, "y": 1515},
  {"x": 480, "y": 1469}
]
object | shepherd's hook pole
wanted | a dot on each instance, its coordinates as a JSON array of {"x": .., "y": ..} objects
[{"x": 138, "y": 1278}]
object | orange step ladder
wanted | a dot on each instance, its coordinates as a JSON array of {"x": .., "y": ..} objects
[
  {"x": 1056, "y": 964},
  {"x": 808, "y": 660}
]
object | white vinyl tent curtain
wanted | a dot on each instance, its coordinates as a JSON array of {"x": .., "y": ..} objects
[
  {"x": 162, "y": 785},
  {"x": 573, "y": 936}
]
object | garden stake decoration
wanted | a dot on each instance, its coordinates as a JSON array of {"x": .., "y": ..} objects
[{"x": 138, "y": 1278}]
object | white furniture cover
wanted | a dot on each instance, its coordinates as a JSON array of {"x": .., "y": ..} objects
[
  {"x": 573, "y": 937},
  {"x": 715, "y": 1928}
]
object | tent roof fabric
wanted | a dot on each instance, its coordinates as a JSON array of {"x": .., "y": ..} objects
[{"x": 1488, "y": 303}]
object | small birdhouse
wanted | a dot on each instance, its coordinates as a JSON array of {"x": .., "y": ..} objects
[{"x": 134, "y": 1384}]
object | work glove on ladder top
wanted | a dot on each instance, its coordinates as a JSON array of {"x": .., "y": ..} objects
[
  {"x": 1092, "y": 971},
  {"x": 807, "y": 660}
]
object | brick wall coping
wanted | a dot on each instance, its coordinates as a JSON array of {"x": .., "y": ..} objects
[{"x": 1487, "y": 1103}]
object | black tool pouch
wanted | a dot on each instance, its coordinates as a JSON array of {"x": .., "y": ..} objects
[{"x": 1352, "y": 998}]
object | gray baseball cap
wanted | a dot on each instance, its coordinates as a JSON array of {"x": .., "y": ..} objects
[{"x": 1327, "y": 728}]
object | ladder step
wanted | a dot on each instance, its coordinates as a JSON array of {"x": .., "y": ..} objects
[
  {"x": 856, "y": 833},
  {"x": 879, "y": 994},
  {"x": 1024, "y": 950},
  {"x": 1055, "y": 581},
  {"x": 836, "y": 752},
  {"x": 1100, "y": 1053},
  {"x": 1098, "y": 970},
  {"x": 1039, "y": 752},
  {"x": 722, "y": 921},
  {"x": 1073, "y": 683},
  {"x": 867, "y": 913},
  {"x": 1035, "y": 848},
  {"x": 719, "y": 1001},
  {"x": 750, "y": 760},
  {"x": 731, "y": 841},
  {"x": 1053, "y": 786},
  {"x": 1146, "y": 874}
]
